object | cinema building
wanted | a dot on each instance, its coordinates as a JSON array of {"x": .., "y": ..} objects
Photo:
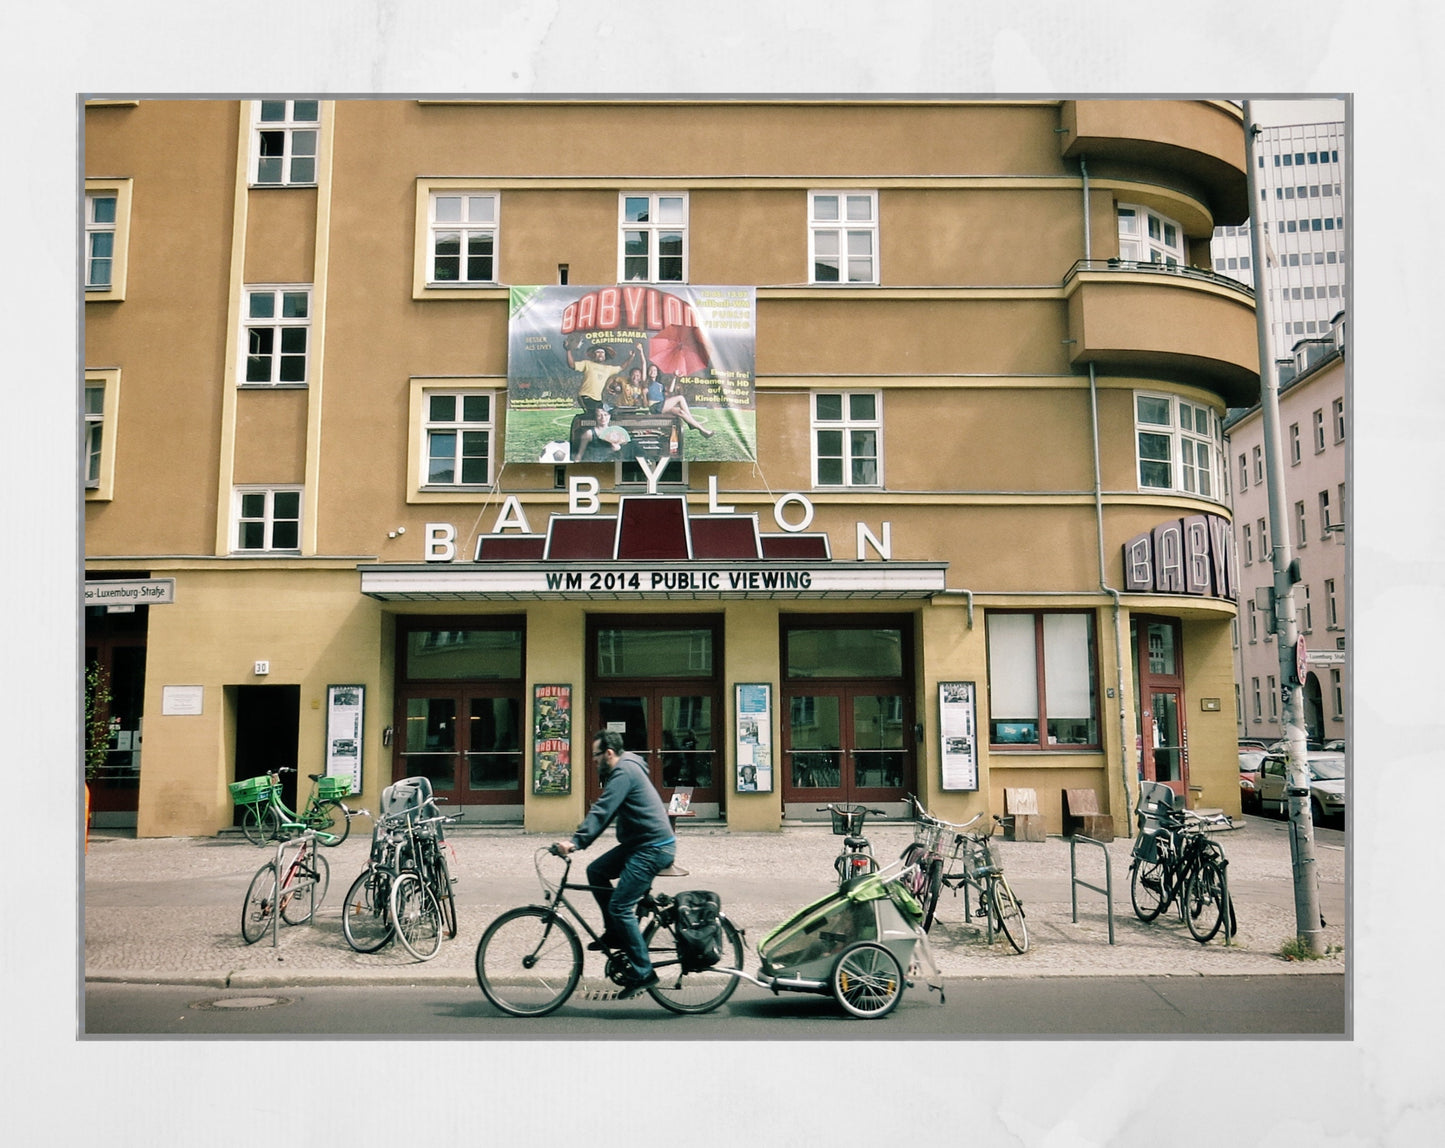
[{"x": 826, "y": 449}]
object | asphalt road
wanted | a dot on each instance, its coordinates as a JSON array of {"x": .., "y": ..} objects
[{"x": 1145, "y": 1006}]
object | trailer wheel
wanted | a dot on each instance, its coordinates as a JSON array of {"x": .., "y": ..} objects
[{"x": 868, "y": 980}]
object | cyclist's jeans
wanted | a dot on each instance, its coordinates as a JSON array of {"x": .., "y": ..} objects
[{"x": 633, "y": 870}]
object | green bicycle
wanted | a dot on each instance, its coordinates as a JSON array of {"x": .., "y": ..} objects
[{"x": 267, "y": 817}]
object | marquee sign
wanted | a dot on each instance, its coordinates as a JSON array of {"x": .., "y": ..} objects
[{"x": 1192, "y": 555}]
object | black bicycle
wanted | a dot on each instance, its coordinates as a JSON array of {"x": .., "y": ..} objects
[
  {"x": 948, "y": 856},
  {"x": 1175, "y": 862},
  {"x": 529, "y": 959}
]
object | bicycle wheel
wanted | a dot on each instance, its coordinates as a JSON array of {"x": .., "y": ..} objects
[
  {"x": 1008, "y": 914},
  {"x": 259, "y": 906},
  {"x": 366, "y": 915},
  {"x": 332, "y": 821},
  {"x": 296, "y": 903},
  {"x": 1146, "y": 888},
  {"x": 685, "y": 992},
  {"x": 1204, "y": 900},
  {"x": 529, "y": 961},
  {"x": 416, "y": 916},
  {"x": 932, "y": 887},
  {"x": 867, "y": 980},
  {"x": 252, "y": 824}
]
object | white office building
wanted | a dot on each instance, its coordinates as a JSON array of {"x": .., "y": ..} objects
[{"x": 1301, "y": 205}]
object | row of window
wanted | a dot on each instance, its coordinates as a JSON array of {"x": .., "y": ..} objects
[
  {"x": 1305, "y": 191},
  {"x": 1300, "y": 158},
  {"x": 1337, "y": 697},
  {"x": 1311, "y": 258},
  {"x": 1314, "y": 223},
  {"x": 1179, "y": 448},
  {"x": 652, "y": 237},
  {"x": 1323, "y": 291},
  {"x": 1336, "y": 424},
  {"x": 1304, "y": 607},
  {"x": 1331, "y": 519}
]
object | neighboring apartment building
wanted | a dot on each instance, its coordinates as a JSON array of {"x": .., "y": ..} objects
[
  {"x": 1300, "y": 179},
  {"x": 918, "y": 488},
  {"x": 1314, "y": 429}
]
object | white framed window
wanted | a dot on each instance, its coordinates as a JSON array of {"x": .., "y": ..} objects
[
  {"x": 1325, "y": 522},
  {"x": 100, "y": 213},
  {"x": 1179, "y": 445},
  {"x": 1337, "y": 411},
  {"x": 1306, "y": 611},
  {"x": 1273, "y": 698},
  {"x": 277, "y": 323},
  {"x": 843, "y": 237},
  {"x": 460, "y": 435},
  {"x": 1337, "y": 694},
  {"x": 1332, "y": 606},
  {"x": 1243, "y": 473},
  {"x": 462, "y": 237},
  {"x": 1145, "y": 236},
  {"x": 1263, "y": 527},
  {"x": 1042, "y": 686},
  {"x": 1253, "y": 622},
  {"x": 652, "y": 246},
  {"x": 1294, "y": 448},
  {"x": 285, "y": 137},
  {"x": 1319, "y": 431},
  {"x": 847, "y": 434},
  {"x": 105, "y": 240},
  {"x": 1301, "y": 524},
  {"x": 97, "y": 433},
  {"x": 1258, "y": 702},
  {"x": 1248, "y": 536},
  {"x": 266, "y": 519},
  {"x": 1259, "y": 466}
]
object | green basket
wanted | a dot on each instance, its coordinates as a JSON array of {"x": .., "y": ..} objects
[
  {"x": 333, "y": 788},
  {"x": 252, "y": 790}
]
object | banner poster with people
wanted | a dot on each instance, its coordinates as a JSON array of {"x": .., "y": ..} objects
[
  {"x": 551, "y": 739},
  {"x": 630, "y": 373}
]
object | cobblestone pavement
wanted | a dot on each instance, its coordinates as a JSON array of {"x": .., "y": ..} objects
[{"x": 168, "y": 909}]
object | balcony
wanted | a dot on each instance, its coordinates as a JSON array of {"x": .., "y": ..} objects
[
  {"x": 1179, "y": 323},
  {"x": 1196, "y": 146}
]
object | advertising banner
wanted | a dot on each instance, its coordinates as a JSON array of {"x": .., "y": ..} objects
[{"x": 603, "y": 374}]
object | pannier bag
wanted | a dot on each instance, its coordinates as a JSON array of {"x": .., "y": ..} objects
[{"x": 699, "y": 931}]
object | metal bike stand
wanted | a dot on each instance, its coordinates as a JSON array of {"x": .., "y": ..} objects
[
  {"x": 300, "y": 843},
  {"x": 1074, "y": 881}
]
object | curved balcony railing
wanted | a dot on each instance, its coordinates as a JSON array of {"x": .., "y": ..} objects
[{"x": 1134, "y": 266}]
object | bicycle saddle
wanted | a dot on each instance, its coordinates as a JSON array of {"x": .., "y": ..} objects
[{"x": 855, "y": 842}]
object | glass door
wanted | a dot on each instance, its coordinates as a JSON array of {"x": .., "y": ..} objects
[
  {"x": 846, "y": 744},
  {"x": 672, "y": 730},
  {"x": 467, "y": 743},
  {"x": 1159, "y": 690}
]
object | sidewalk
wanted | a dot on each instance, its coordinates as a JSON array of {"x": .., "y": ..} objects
[{"x": 167, "y": 910}]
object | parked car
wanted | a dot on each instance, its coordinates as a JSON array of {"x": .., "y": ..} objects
[
  {"x": 1251, "y": 765},
  {"x": 1253, "y": 743},
  {"x": 1312, "y": 745},
  {"x": 1335, "y": 746},
  {"x": 1327, "y": 785}
]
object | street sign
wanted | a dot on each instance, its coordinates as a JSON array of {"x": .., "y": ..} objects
[
  {"x": 1301, "y": 659},
  {"x": 1327, "y": 657}
]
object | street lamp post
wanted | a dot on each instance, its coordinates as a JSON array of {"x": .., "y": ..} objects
[{"x": 1286, "y": 574}]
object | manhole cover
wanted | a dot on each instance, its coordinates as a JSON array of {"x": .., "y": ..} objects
[{"x": 241, "y": 1003}]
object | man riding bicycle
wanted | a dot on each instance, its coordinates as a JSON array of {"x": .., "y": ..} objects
[{"x": 645, "y": 846}]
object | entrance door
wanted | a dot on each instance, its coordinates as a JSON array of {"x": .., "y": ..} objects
[
  {"x": 268, "y": 724},
  {"x": 846, "y": 743},
  {"x": 1159, "y": 690},
  {"x": 467, "y": 741},
  {"x": 671, "y": 728}
]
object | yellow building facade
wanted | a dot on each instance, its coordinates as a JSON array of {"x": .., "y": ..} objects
[{"x": 967, "y": 533}]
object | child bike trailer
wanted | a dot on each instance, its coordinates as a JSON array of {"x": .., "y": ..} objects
[{"x": 855, "y": 943}]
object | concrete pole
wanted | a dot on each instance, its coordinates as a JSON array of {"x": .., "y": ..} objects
[{"x": 1286, "y": 630}]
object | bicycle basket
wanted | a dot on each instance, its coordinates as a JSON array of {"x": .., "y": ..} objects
[
  {"x": 847, "y": 819},
  {"x": 251, "y": 790},
  {"x": 928, "y": 834},
  {"x": 333, "y": 788}
]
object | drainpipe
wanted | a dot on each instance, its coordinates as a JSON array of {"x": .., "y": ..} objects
[{"x": 1125, "y": 757}]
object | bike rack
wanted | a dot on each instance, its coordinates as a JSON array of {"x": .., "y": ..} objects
[
  {"x": 276, "y": 908},
  {"x": 1108, "y": 889}
]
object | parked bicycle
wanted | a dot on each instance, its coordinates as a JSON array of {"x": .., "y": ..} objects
[
  {"x": 268, "y": 818},
  {"x": 949, "y": 856},
  {"x": 529, "y": 959},
  {"x": 422, "y": 905},
  {"x": 366, "y": 921},
  {"x": 855, "y": 859},
  {"x": 294, "y": 894},
  {"x": 1175, "y": 862}
]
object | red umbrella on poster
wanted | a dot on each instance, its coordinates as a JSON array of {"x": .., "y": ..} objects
[{"x": 678, "y": 350}]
